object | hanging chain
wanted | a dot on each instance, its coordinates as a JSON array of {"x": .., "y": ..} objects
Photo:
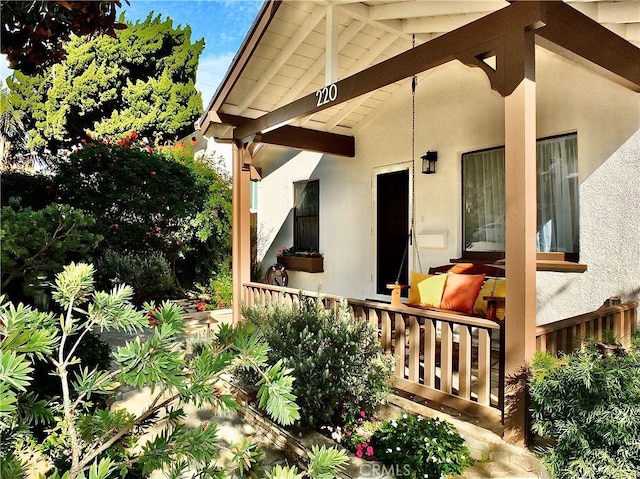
[{"x": 412, "y": 230}]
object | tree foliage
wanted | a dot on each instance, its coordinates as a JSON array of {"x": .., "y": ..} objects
[
  {"x": 140, "y": 201},
  {"x": 34, "y": 31},
  {"x": 143, "y": 79},
  {"x": 37, "y": 243},
  {"x": 13, "y": 135}
]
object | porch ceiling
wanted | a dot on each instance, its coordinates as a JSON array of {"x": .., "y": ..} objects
[{"x": 287, "y": 61}]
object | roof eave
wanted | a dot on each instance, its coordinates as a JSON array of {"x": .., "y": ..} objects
[{"x": 239, "y": 62}]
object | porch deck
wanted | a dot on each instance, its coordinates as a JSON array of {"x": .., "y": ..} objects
[{"x": 452, "y": 359}]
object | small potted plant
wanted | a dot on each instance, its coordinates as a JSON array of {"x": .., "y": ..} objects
[{"x": 309, "y": 261}]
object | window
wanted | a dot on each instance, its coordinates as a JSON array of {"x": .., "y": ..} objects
[
  {"x": 484, "y": 199},
  {"x": 306, "y": 218}
]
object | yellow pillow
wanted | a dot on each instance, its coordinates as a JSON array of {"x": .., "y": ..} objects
[
  {"x": 414, "y": 292},
  {"x": 492, "y": 287},
  {"x": 431, "y": 290}
]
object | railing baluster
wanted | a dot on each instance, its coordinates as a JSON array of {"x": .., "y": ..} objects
[
  {"x": 446, "y": 354},
  {"x": 414, "y": 349},
  {"x": 484, "y": 367},
  {"x": 429, "y": 352},
  {"x": 385, "y": 338},
  {"x": 373, "y": 318},
  {"x": 400, "y": 345},
  {"x": 464, "y": 363}
]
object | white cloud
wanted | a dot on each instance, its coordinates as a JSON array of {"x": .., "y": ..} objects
[{"x": 211, "y": 71}]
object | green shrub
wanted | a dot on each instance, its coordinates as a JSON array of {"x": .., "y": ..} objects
[
  {"x": 419, "y": 447},
  {"x": 588, "y": 404},
  {"x": 149, "y": 274},
  {"x": 37, "y": 243},
  {"x": 219, "y": 292},
  {"x": 339, "y": 365}
]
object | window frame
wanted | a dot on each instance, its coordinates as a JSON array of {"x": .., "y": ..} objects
[
  {"x": 566, "y": 261},
  {"x": 296, "y": 230}
]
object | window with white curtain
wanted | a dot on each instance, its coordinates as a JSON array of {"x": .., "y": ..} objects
[{"x": 484, "y": 199}]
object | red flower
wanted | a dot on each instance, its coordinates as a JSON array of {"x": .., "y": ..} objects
[
  {"x": 201, "y": 306},
  {"x": 134, "y": 135},
  {"x": 153, "y": 173},
  {"x": 151, "y": 317},
  {"x": 149, "y": 149},
  {"x": 49, "y": 187}
]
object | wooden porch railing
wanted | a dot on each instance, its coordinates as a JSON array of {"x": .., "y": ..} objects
[
  {"x": 566, "y": 335},
  {"x": 453, "y": 359},
  {"x": 444, "y": 357}
]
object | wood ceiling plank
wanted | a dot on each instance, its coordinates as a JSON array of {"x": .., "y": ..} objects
[
  {"x": 284, "y": 55},
  {"x": 423, "y": 57}
]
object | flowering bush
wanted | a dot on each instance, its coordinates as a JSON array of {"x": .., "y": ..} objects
[
  {"x": 291, "y": 251},
  {"x": 418, "y": 447},
  {"x": 338, "y": 362},
  {"x": 356, "y": 435}
]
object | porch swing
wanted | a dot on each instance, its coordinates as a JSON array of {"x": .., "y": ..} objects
[{"x": 396, "y": 288}]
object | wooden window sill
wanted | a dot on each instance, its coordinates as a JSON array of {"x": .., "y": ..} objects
[
  {"x": 543, "y": 263},
  {"x": 560, "y": 266}
]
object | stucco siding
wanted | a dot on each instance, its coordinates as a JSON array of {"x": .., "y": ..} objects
[{"x": 457, "y": 112}]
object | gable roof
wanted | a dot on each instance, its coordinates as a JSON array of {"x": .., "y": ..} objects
[{"x": 283, "y": 56}]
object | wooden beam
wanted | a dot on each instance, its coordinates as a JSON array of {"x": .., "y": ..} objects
[
  {"x": 436, "y": 52},
  {"x": 311, "y": 140},
  {"x": 585, "y": 42},
  {"x": 296, "y": 137}
]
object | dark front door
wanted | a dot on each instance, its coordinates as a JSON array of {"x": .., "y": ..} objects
[{"x": 392, "y": 229}]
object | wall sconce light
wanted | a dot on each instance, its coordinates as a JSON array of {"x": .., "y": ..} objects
[{"x": 429, "y": 162}]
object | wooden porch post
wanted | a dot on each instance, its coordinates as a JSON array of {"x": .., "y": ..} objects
[
  {"x": 520, "y": 250},
  {"x": 241, "y": 229}
]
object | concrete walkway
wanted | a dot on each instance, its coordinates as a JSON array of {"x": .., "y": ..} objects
[{"x": 496, "y": 459}]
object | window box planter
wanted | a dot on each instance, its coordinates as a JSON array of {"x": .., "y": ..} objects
[{"x": 308, "y": 264}]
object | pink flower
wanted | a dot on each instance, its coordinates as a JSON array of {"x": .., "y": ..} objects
[
  {"x": 153, "y": 173},
  {"x": 363, "y": 414},
  {"x": 369, "y": 451},
  {"x": 359, "y": 450}
]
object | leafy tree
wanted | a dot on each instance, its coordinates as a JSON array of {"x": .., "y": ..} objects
[
  {"x": 33, "y": 32},
  {"x": 142, "y": 80},
  {"x": 37, "y": 243},
  {"x": 104, "y": 442},
  {"x": 144, "y": 201},
  {"x": 13, "y": 134}
]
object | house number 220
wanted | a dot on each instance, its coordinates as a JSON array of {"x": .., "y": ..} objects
[{"x": 327, "y": 94}]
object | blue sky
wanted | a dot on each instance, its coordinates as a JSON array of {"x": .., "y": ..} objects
[{"x": 222, "y": 23}]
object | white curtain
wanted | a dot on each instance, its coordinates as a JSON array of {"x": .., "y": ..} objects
[
  {"x": 484, "y": 200},
  {"x": 558, "y": 194},
  {"x": 484, "y": 197}
]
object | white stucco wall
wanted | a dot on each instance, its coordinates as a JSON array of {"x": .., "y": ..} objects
[{"x": 457, "y": 112}]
